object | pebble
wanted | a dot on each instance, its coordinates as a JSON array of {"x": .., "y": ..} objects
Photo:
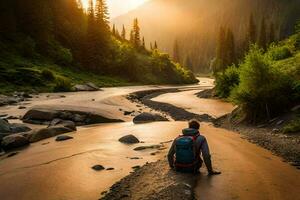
[{"x": 98, "y": 167}]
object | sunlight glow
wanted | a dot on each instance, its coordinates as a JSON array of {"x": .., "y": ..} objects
[{"x": 118, "y": 7}]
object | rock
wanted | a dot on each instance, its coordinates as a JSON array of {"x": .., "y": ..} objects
[
  {"x": 148, "y": 117},
  {"x": 275, "y": 130},
  {"x": 40, "y": 115},
  {"x": 46, "y": 143},
  {"x": 12, "y": 117},
  {"x": 22, "y": 94},
  {"x": 12, "y": 154},
  {"x": 92, "y": 85},
  {"x": 64, "y": 123},
  {"x": 110, "y": 168},
  {"x": 19, "y": 128},
  {"x": 136, "y": 167},
  {"x": 3, "y": 116},
  {"x": 79, "y": 118},
  {"x": 279, "y": 122},
  {"x": 4, "y": 126},
  {"x": 296, "y": 108},
  {"x": 22, "y": 107},
  {"x": 86, "y": 87},
  {"x": 128, "y": 112},
  {"x": 6, "y": 100},
  {"x": 129, "y": 139},
  {"x": 14, "y": 141},
  {"x": 135, "y": 158},
  {"x": 45, "y": 116},
  {"x": 98, "y": 167},
  {"x": 147, "y": 147},
  {"x": 63, "y": 138},
  {"x": 48, "y": 132}
]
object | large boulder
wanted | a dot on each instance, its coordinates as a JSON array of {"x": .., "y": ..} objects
[
  {"x": 48, "y": 132},
  {"x": 129, "y": 139},
  {"x": 4, "y": 126},
  {"x": 40, "y": 115},
  {"x": 14, "y": 141},
  {"x": 7, "y": 129},
  {"x": 19, "y": 128},
  {"x": 45, "y": 116},
  {"x": 86, "y": 87},
  {"x": 56, "y": 127},
  {"x": 64, "y": 123},
  {"x": 148, "y": 117},
  {"x": 8, "y": 100}
]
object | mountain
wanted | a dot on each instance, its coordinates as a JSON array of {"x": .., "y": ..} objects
[{"x": 196, "y": 23}]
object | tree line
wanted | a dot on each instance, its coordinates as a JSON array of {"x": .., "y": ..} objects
[
  {"x": 64, "y": 32},
  {"x": 228, "y": 53}
]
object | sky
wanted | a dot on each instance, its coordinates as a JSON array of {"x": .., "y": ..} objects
[{"x": 119, "y": 7}]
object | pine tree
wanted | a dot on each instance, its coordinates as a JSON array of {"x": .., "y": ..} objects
[
  {"x": 155, "y": 45},
  {"x": 136, "y": 33},
  {"x": 143, "y": 43},
  {"x": 262, "y": 40},
  {"x": 188, "y": 63},
  {"x": 117, "y": 34},
  {"x": 221, "y": 50},
  {"x": 91, "y": 37},
  {"x": 272, "y": 33},
  {"x": 151, "y": 46},
  {"x": 176, "y": 55},
  {"x": 123, "y": 33},
  {"x": 251, "y": 35},
  {"x": 229, "y": 48},
  {"x": 131, "y": 38},
  {"x": 102, "y": 15},
  {"x": 113, "y": 30}
]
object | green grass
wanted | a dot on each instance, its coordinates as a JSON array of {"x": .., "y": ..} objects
[
  {"x": 21, "y": 74},
  {"x": 293, "y": 126}
]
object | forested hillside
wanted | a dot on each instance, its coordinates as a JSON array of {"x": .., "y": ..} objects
[
  {"x": 52, "y": 44},
  {"x": 266, "y": 83},
  {"x": 188, "y": 30}
]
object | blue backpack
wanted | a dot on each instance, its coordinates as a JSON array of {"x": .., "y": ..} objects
[{"x": 185, "y": 152}]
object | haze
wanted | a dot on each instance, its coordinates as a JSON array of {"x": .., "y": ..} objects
[{"x": 119, "y": 7}]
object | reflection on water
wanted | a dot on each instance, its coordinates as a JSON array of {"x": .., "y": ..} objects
[{"x": 62, "y": 170}]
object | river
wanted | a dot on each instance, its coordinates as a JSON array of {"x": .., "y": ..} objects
[{"x": 50, "y": 170}]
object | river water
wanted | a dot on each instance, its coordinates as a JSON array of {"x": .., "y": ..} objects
[{"x": 62, "y": 170}]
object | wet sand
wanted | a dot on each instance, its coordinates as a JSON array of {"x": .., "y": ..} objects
[
  {"x": 248, "y": 172},
  {"x": 191, "y": 103}
]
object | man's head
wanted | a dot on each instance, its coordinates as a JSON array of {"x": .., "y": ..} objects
[{"x": 194, "y": 124}]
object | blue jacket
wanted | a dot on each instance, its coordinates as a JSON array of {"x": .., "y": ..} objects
[{"x": 201, "y": 148}]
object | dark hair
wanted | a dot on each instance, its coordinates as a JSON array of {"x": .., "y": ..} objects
[{"x": 194, "y": 124}]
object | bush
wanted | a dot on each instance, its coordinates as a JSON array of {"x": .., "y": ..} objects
[
  {"x": 226, "y": 81},
  {"x": 293, "y": 126},
  {"x": 48, "y": 75},
  {"x": 26, "y": 76},
  {"x": 279, "y": 52},
  {"x": 60, "y": 54},
  {"x": 62, "y": 84},
  {"x": 264, "y": 91}
]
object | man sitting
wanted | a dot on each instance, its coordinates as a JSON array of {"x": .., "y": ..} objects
[{"x": 184, "y": 154}]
